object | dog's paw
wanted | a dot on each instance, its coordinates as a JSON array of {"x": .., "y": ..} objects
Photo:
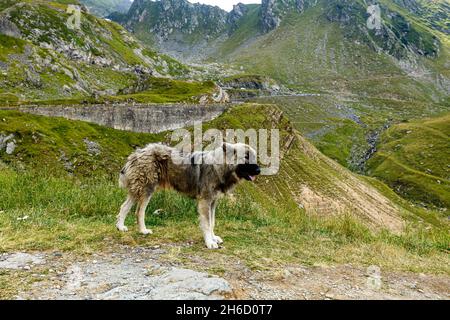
[
  {"x": 211, "y": 245},
  {"x": 122, "y": 228},
  {"x": 217, "y": 240},
  {"x": 146, "y": 231}
]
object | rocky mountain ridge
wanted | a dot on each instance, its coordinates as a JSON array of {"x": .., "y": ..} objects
[
  {"x": 198, "y": 31},
  {"x": 103, "y": 8}
]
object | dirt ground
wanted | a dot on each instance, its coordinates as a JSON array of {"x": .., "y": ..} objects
[{"x": 145, "y": 273}]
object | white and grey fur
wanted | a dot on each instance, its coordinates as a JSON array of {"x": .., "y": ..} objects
[{"x": 202, "y": 175}]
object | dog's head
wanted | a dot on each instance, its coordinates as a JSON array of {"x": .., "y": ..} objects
[{"x": 243, "y": 158}]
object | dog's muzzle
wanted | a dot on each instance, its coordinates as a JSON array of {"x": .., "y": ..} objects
[{"x": 248, "y": 171}]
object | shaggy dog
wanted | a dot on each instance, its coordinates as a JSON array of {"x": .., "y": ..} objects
[{"x": 204, "y": 176}]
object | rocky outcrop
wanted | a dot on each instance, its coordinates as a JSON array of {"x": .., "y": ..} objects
[
  {"x": 241, "y": 88},
  {"x": 8, "y": 28},
  {"x": 46, "y": 58},
  {"x": 148, "y": 118},
  {"x": 195, "y": 32},
  {"x": 235, "y": 15},
  {"x": 269, "y": 19},
  {"x": 166, "y": 17},
  {"x": 396, "y": 34},
  {"x": 8, "y": 144},
  {"x": 218, "y": 96},
  {"x": 273, "y": 11},
  {"x": 131, "y": 273},
  {"x": 92, "y": 147}
]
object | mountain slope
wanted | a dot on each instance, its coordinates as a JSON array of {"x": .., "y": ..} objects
[
  {"x": 42, "y": 58},
  {"x": 433, "y": 13},
  {"x": 413, "y": 158},
  {"x": 320, "y": 50},
  {"x": 365, "y": 80},
  {"x": 103, "y": 8},
  {"x": 175, "y": 25}
]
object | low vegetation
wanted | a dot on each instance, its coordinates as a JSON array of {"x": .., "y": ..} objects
[{"x": 413, "y": 159}]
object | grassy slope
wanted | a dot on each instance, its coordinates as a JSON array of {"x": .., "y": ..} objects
[
  {"x": 247, "y": 28},
  {"x": 413, "y": 158},
  {"x": 432, "y": 13},
  {"x": 75, "y": 212},
  {"x": 160, "y": 90},
  {"x": 43, "y": 82}
]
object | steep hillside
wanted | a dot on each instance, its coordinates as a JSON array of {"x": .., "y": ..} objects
[
  {"x": 42, "y": 57},
  {"x": 178, "y": 27},
  {"x": 103, "y": 8},
  {"x": 413, "y": 158},
  {"x": 433, "y": 13}
]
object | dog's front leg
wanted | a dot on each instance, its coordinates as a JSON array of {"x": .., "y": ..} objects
[
  {"x": 216, "y": 239},
  {"x": 205, "y": 210}
]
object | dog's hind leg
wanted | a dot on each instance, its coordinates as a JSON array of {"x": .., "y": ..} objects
[
  {"x": 204, "y": 210},
  {"x": 140, "y": 213},
  {"x": 124, "y": 209}
]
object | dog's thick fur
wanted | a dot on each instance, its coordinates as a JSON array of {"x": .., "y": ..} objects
[{"x": 200, "y": 175}]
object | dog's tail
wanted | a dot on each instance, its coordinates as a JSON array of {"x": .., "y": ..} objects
[{"x": 123, "y": 179}]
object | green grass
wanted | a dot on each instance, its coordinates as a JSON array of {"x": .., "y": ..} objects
[
  {"x": 6, "y": 4},
  {"x": 72, "y": 214},
  {"x": 10, "y": 45},
  {"x": 339, "y": 125},
  {"x": 8, "y": 99},
  {"x": 413, "y": 158},
  {"x": 247, "y": 28},
  {"x": 42, "y": 141},
  {"x": 160, "y": 90}
]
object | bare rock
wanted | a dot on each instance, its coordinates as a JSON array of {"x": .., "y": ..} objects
[
  {"x": 7, "y": 142},
  {"x": 20, "y": 260},
  {"x": 10, "y": 147},
  {"x": 93, "y": 148},
  {"x": 135, "y": 279}
]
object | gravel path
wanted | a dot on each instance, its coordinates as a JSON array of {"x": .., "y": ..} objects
[{"x": 141, "y": 273}]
